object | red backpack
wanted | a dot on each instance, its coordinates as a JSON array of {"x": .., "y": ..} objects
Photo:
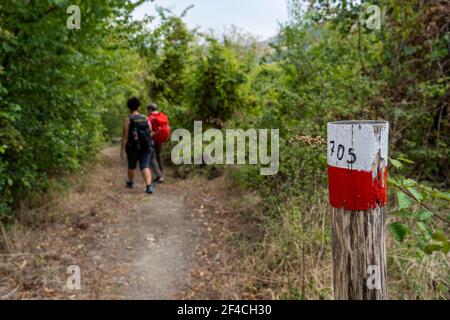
[{"x": 160, "y": 125}]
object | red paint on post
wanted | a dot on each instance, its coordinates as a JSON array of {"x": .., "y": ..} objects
[
  {"x": 357, "y": 164},
  {"x": 355, "y": 190}
]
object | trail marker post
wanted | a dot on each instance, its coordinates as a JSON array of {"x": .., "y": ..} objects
[{"x": 357, "y": 182}]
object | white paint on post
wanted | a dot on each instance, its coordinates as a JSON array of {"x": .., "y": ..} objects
[{"x": 355, "y": 145}]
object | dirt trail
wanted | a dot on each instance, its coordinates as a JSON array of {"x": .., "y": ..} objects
[
  {"x": 159, "y": 237},
  {"x": 162, "y": 262},
  {"x": 128, "y": 245}
]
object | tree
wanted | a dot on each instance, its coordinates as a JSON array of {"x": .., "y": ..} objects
[
  {"x": 54, "y": 85},
  {"x": 167, "y": 50},
  {"x": 217, "y": 91}
]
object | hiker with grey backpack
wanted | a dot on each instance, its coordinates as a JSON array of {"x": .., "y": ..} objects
[{"x": 137, "y": 144}]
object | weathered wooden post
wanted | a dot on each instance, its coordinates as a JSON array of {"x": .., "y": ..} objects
[{"x": 357, "y": 181}]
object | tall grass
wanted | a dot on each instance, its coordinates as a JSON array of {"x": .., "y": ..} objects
[
  {"x": 294, "y": 258},
  {"x": 291, "y": 257}
]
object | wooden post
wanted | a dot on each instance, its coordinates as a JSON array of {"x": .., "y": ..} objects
[{"x": 357, "y": 181}]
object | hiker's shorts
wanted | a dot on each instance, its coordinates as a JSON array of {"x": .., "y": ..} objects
[{"x": 142, "y": 157}]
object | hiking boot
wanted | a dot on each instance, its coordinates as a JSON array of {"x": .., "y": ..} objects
[
  {"x": 149, "y": 189},
  {"x": 130, "y": 184},
  {"x": 159, "y": 180}
]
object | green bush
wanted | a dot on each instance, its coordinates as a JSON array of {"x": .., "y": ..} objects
[{"x": 55, "y": 85}]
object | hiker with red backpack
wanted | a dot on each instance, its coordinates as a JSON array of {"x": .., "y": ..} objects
[
  {"x": 137, "y": 144},
  {"x": 161, "y": 134}
]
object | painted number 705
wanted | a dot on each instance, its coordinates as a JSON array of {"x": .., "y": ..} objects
[{"x": 339, "y": 151}]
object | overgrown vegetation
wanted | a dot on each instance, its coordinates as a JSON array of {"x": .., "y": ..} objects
[
  {"x": 326, "y": 65},
  {"x": 56, "y": 86},
  {"x": 60, "y": 89}
]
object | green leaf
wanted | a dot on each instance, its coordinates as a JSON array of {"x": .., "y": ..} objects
[
  {"x": 417, "y": 195},
  {"x": 406, "y": 160},
  {"x": 400, "y": 213},
  {"x": 3, "y": 149},
  {"x": 397, "y": 164},
  {"x": 429, "y": 249},
  {"x": 60, "y": 3},
  {"x": 404, "y": 201},
  {"x": 446, "y": 248},
  {"x": 393, "y": 182},
  {"x": 439, "y": 236},
  {"x": 399, "y": 230},
  {"x": 425, "y": 230},
  {"x": 425, "y": 215},
  {"x": 409, "y": 182},
  {"x": 6, "y": 47},
  {"x": 446, "y": 196},
  {"x": 25, "y": 183},
  {"x": 441, "y": 195}
]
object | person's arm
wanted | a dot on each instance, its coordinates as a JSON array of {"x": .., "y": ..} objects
[
  {"x": 151, "y": 128},
  {"x": 126, "y": 128}
]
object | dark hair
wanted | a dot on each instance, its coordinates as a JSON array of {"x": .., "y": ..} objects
[
  {"x": 133, "y": 104},
  {"x": 153, "y": 107}
]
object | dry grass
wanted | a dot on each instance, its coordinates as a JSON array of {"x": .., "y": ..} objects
[
  {"x": 256, "y": 256},
  {"x": 286, "y": 254},
  {"x": 250, "y": 252},
  {"x": 59, "y": 230},
  {"x": 417, "y": 277}
]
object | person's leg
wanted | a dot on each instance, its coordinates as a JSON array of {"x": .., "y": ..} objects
[
  {"x": 147, "y": 174},
  {"x": 144, "y": 162},
  {"x": 132, "y": 164},
  {"x": 158, "y": 148},
  {"x": 155, "y": 165},
  {"x": 131, "y": 175}
]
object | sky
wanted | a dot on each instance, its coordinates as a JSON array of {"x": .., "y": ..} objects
[{"x": 259, "y": 17}]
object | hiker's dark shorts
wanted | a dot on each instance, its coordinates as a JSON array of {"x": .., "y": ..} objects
[{"x": 142, "y": 157}]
